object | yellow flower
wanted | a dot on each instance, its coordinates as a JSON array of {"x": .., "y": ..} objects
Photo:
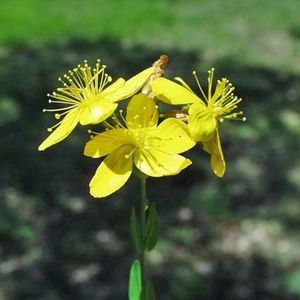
[
  {"x": 204, "y": 113},
  {"x": 151, "y": 148},
  {"x": 86, "y": 99}
]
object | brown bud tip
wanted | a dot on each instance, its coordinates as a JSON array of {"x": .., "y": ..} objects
[
  {"x": 164, "y": 60},
  {"x": 161, "y": 62},
  {"x": 178, "y": 114}
]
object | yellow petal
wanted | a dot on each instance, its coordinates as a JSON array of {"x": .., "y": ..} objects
[
  {"x": 131, "y": 86},
  {"x": 96, "y": 112},
  {"x": 113, "y": 87},
  {"x": 156, "y": 163},
  {"x": 112, "y": 173},
  {"x": 171, "y": 136},
  {"x": 62, "y": 131},
  {"x": 172, "y": 93},
  {"x": 141, "y": 112},
  {"x": 217, "y": 161},
  {"x": 201, "y": 123},
  {"x": 106, "y": 142}
]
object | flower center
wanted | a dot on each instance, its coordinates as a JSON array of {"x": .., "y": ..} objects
[
  {"x": 139, "y": 137},
  {"x": 81, "y": 86},
  {"x": 222, "y": 102}
]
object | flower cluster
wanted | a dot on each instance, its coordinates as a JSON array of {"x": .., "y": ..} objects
[{"x": 145, "y": 139}]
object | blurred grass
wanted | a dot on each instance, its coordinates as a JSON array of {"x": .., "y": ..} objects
[
  {"x": 218, "y": 236},
  {"x": 257, "y": 32}
]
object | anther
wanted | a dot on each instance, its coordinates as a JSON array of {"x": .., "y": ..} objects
[{"x": 57, "y": 116}]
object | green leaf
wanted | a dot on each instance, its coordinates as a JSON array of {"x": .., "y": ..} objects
[
  {"x": 148, "y": 292},
  {"x": 135, "y": 231},
  {"x": 135, "y": 281},
  {"x": 152, "y": 228}
]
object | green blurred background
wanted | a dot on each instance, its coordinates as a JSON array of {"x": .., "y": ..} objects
[{"x": 234, "y": 238}]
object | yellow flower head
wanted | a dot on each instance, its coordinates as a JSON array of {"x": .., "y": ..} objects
[
  {"x": 86, "y": 98},
  {"x": 204, "y": 113},
  {"x": 217, "y": 106},
  {"x": 140, "y": 142}
]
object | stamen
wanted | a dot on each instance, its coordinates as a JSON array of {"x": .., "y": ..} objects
[
  {"x": 58, "y": 109},
  {"x": 210, "y": 81},
  {"x": 117, "y": 121},
  {"x": 199, "y": 85},
  {"x": 127, "y": 156},
  {"x": 224, "y": 101},
  {"x": 107, "y": 125},
  {"x": 92, "y": 132},
  {"x": 50, "y": 129},
  {"x": 79, "y": 85},
  {"x": 122, "y": 116}
]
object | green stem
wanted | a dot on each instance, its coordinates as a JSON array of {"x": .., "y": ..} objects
[{"x": 143, "y": 223}]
